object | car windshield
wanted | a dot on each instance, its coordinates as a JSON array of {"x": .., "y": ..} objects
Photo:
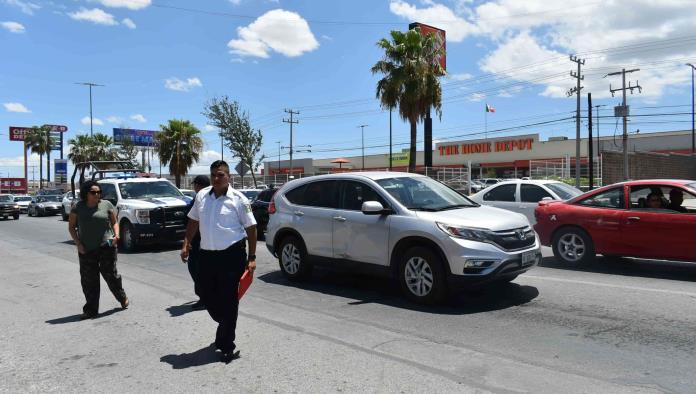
[
  {"x": 6, "y": 199},
  {"x": 424, "y": 194},
  {"x": 564, "y": 191},
  {"x": 23, "y": 198},
  {"x": 141, "y": 190},
  {"x": 48, "y": 199},
  {"x": 692, "y": 186},
  {"x": 251, "y": 194}
]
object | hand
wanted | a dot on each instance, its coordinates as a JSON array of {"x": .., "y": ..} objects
[
  {"x": 81, "y": 249},
  {"x": 184, "y": 254},
  {"x": 115, "y": 241},
  {"x": 251, "y": 266}
]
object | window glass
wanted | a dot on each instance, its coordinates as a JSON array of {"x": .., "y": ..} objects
[
  {"x": 108, "y": 192},
  {"x": 6, "y": 198},
  {"x": 323, "y": 194},
  {"x": 356, "y": 193},
  {"x": 612, "y": 198},
  {"x": 661, "y": 197},
  {"x": 502, "y": 193},
  {"x": 423, "y": 193},
  {"x": 143, "y": 190},
  {"x": 564, "y": 190},
  {"x": 532, "y": 193},
  {"x": 296, "y": 195}
]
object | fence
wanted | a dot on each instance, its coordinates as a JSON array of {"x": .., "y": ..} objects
[
  {"x": 645, "y": 165},
  {"x": 564, "y": 170}
]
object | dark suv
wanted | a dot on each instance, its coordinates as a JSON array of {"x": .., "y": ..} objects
[
  {"x": 260, "y": 209},
  {"x": 8, "y": 207}
]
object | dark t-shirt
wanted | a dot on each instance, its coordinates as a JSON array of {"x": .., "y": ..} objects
[{"x": 93, "y": 224}]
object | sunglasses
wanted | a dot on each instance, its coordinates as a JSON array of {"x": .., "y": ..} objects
[{"x": 94, "y": 192}]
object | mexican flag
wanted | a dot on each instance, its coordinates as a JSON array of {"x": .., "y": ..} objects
[{"x": 489, "y": 108}]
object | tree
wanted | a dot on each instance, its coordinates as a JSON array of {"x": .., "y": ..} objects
[
  {"x": 179, "y": 144},
  {"x": 235, "y": 128},
  {"x": 80, "y": 149},
  {"x": 410, "y": 81},
  {"x": 103, "y": 147},
  {"x": 128, "y": 152},
  {"x": 38, "y": 141}
]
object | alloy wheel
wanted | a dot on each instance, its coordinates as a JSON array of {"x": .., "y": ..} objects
[
  {"x": 419, "y": 276},
  {"x": 290, "y": 258},
  {"x": 572, "y": 247}
]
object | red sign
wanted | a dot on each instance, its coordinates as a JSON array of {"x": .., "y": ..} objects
[
  {"x": 486, "y": 147},
  {"x": 440, "y": 34},
  {"x": 8, "y": 185},
  {"x": 18, "y": 133},
  {"x": 57, "y": 128}
]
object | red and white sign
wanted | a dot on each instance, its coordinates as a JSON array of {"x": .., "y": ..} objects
[
  {"x": 440, "y": 34},
  {"x": 18, "y": 133},
  {"x": 13, "y": 185},
  {"x": 57, "y": 128},
  {"x": 486, "y": 147}
]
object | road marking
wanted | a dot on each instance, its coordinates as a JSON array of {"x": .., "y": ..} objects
[{"x": 584, "y": 282}]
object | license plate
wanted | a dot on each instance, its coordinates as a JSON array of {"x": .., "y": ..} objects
[{"x": 528, "y": 258}]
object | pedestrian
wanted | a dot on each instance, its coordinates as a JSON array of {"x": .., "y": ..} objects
[
  {"x": 225, "y": 221},
  {"x": 93, "y": 227},
  {"x": 199, "y": 182}
]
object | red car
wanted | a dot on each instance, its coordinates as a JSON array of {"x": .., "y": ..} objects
[{"x": 652, "y": 219}]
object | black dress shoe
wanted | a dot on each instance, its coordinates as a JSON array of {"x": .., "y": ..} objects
[
  {"x": 198, "y": 306},
  {"x": 229, "y": 356}
]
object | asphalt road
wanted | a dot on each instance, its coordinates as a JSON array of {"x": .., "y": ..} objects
[{"x": 614, "y": 326}]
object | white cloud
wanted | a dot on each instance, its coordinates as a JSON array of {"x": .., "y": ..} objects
[
  {"x": 210, "y": 128},
  {"x": 206, "y": 159},
  {"x": 138, "y": 118},
  {"x": 25, "y": 6},
  {"x": 476, "y": 97},
  {"x": 461, "y": 77},
  {"x": 128, "y": 23},
  {"x": 114, "y": 119},
  {"x": 12, "y": 27},
  {"x": 95, "y": 121},
  {"x": 457, "y": 28},
  {"x": 182, "y": 86},
  {"x": 95, "y": 15},
  {"x": 16, "y": 107},
  {"x": 130, "y": 4},
  {"x": 278, "y": 30},
  {"x": 236, "y": 2}
]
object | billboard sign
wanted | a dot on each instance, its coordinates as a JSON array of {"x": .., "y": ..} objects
[
  {"x": 18, "y": 133},
  {"x": 10, "y": 185},
  {"x": 56, "y": 128},
  {"x": 60, "y": 168},
  {"x": 440, "y": 34},
  {"x": 399, "y": 159},
  {"x": 137, "y": 137}
]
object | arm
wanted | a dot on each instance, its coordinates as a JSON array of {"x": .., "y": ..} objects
[
  {"x": 115, "y": 226},
  {"x": 251, "y": 240},
  {"x": 72, "y": 228},
  {"x": 191, "y": 230}
]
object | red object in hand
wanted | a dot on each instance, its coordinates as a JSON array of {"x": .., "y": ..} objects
[{"x": 244, "y": 283}]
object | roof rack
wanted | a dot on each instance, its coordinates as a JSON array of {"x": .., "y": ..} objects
[{"x": 99, "y": 169}]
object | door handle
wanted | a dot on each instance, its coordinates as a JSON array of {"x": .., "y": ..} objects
[
  {"x": 633, "y": 218},
  {"x": 299, "y": 213},
  {"x": 339, "y": 218}
]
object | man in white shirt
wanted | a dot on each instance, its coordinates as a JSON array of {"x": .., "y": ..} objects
[{"x": 224, "y": 219}]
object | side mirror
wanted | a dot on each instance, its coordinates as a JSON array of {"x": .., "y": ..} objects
[{"x": 373, "y": 208}]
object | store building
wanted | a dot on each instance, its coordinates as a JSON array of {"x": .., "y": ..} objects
[{"x": 503, "y": 157}]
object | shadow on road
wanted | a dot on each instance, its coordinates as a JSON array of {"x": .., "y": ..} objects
[
  {"x": 370, "y": 289},
  {"x": 198, "y": 358},
  {"x": 179, "y": 310},
  {"x": 76, "y": 318},
  {"x": 657, "y": 269}
]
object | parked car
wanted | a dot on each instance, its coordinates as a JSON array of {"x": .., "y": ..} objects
[
  {"x": 523, "y": 196},
  {"x": 486, "y": 182},
  {"x": 425, "y": 235},
  {"x": 67, "y": 203},
  {"x": 620, "y": 220},
  {"x": 50, "y": 192},
  {"x": 45, "y": 205},
  {"x": 251, "y": 194},
  {"x": 8, "y": 207},
  {"x": 260, "y": 209},
  {"x": 188, "y": 193},
  {"x": 23, "y": 201}
]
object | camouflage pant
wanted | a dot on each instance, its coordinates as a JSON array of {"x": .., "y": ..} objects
[{"x": 102, "y": 260}]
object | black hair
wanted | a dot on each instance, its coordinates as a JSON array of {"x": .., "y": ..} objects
[
  {"x": 219, "y": 164},
  {"x": 86, "y": 187},
  {"x": 201, "y": 180}
]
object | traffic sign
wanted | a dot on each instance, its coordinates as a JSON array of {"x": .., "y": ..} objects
[
  {"x": 57, "y": 128},
  {"x": 241, "y": 168},
  {"x": 18, "y": 133}
]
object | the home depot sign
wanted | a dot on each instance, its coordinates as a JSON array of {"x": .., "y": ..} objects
[{"x": 486, "y": 147}]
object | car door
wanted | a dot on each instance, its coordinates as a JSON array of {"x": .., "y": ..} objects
[
  {"x": 658, "y": 233},
  {"x": 530, "y": 195},
  {"x": 356, "y": 236},
  {"x": 601, "y": 215},
  {"x": 502, "y": 196},
  {"x": 313, "y": 206}
]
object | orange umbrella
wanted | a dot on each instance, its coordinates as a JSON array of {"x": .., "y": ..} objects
[{"x": 340, "y": 161}]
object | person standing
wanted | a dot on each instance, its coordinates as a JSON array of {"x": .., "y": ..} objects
[
  {"x": 199, "y": 182},
  {"x": 225, "y": 221},
  {"x": 93, "y": 226}
]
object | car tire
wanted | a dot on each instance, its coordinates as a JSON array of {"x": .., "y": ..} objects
[
  {"x": 16, "y": 216},
  {"x": 573, "y": 247},
  {"x": 422, "y": 276},
  {"x": 292, "y": 258},
  {"x": 128, "y": 242},
  {"x": 40, "y": 213}
]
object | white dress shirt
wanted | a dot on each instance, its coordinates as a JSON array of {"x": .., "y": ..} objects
[{"x": 222, "y": 221}]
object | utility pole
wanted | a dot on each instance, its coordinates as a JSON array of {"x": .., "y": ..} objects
[
  {"x": 590, "y": 148},
  {"x": 576, "y": 90},
  {"x": 362, "y": 133},
  {"x": 693, "y": 129},
  {"x": 278, "y": 169},
  {"x": 623, "y": 110},
  {"x": 222, "y": 147},
  {"x": 390, "y": 139},
  {"x": 291, "y": 112},
  {"x": 90, "y": 84}
]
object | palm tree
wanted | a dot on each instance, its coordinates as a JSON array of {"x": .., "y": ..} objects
[
  {"x": 103, "y": 147},
  {"x": 80, "y": 149},
  {"x": 411, "y": 69},
  {"x": 38, "y": 140},
  {"x": 179, "y": 144}
]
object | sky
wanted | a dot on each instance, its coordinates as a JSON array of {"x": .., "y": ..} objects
[{"x": 163, "y": 59}]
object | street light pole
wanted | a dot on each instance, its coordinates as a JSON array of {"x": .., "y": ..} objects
[
  {"x": 693, "y": 129},
  {"x": 362, "y": 133},
  {"x": 90, "y": 84}
]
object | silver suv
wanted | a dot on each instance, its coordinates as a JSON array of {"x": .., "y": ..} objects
[{"x": 418, "y": 231}]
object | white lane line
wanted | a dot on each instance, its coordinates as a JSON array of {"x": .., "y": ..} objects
[{"x": 584, "y": 282}]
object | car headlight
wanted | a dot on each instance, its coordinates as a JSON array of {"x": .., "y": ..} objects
[
  {"x": 16, "y": 207},
  {"x": 143, "y": 216},
  {"x": 470, "y": 233},
  {"x": 41, "y": 205}
]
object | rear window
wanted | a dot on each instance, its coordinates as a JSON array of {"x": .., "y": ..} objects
[
  {"x": 502, "y": 193},
  {"x": 532, "y": 193},
  {"x": 563, "y": 190},
  {"x": 612, "y": 198},
  {"x": 321, "y": 194}
]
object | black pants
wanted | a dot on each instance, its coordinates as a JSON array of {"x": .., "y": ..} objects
[
  {"x": 102, "y": 260},
  {"x": 220, "y": 271},
  {"x": 195, "y": 269}
]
